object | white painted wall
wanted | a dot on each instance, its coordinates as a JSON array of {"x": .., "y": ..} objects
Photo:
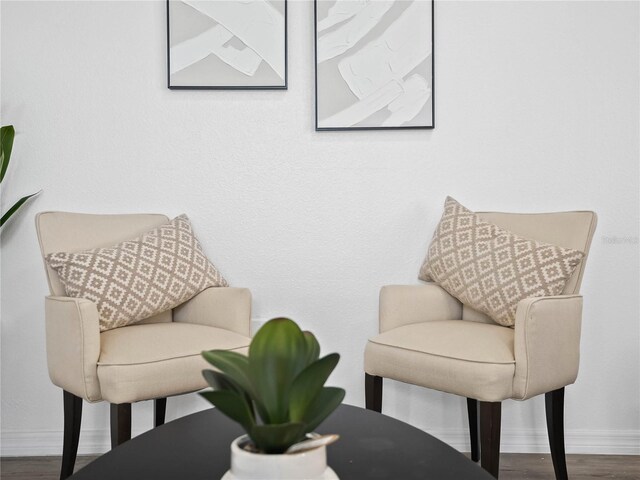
[{"x": 537, "y": 109}]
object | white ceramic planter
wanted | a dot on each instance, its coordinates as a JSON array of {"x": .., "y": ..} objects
[{"x": 308, "y": 465}]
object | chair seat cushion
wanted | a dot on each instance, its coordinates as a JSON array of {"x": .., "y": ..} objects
[
  {"x": 475, "y": 360},
  {"x": 141, "y": 362}
]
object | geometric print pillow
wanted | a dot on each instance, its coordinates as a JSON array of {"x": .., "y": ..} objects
[
  {"x": 491, "y": 269},
  {"x": 139, "y": 278}
]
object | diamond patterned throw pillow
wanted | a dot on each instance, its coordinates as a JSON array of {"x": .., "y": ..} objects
[
  {"x": 139, "y": 278},
  {"x": 491, "y": 269}
]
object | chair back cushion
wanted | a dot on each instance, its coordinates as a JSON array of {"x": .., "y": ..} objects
[
  {"x": 75, "y": 232},
  {"x": 566, "y": 229},
  {"x": 572, "y": 230},
  {"x": 492, "y": 261},
  {"x": 140, "y": 277}
]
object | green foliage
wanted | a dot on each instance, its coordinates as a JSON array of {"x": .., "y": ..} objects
[
  {"x": 277, "y": 392},
  {"x": 6, "y": 145},
  {"x": 7, "y": 134}
]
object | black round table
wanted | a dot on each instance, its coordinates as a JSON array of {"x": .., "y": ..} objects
[{"x": 371, "y": 446}]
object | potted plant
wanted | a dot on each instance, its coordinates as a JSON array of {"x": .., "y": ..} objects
[{"x": 277, "y": 395}]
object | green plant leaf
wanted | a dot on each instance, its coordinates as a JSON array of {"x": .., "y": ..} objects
[
  {"x": 277, "y": 438},
  {"x": 308, "y": 385},
  {"x": 313, "y": 347},
  {"x": 236, "y": 367},
  {"x": 15, "y": 207},
  {"x": 7, "y": 134},
  {"x": 277, "y": 354},
  {"x": 323, "y": 405},
  {"x": 233, "y": 364},
  {"x": 220, "y": 381},
  {"x": 233, "y": 406}
]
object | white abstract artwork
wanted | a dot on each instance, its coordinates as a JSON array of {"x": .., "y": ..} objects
[
  {"x": 220, "y": 44},
  {"x": 374, "y": 64}
]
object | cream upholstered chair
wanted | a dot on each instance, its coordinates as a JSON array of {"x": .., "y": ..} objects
[
  {"x": 428, "y": 338},
  {"x": 152, "y": 359}
]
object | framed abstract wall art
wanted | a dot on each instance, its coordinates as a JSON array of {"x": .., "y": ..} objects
[
  {"x": 227, "y": 44},
  {"x": 374, "y": 64}
]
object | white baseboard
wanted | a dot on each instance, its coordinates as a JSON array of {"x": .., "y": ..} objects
[
  {"x": 613, "y": 442},
  {"x": 42, "y": 443},
  {"x": 605, "y": 442}
]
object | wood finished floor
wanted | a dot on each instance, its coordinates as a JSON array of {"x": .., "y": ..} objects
[{"x": 512, "y": 466}]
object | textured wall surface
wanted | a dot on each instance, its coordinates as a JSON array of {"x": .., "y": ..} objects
[{"x": 537, "y": 109}]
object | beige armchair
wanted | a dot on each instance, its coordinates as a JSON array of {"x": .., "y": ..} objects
[
  {"x": 428, "y": 338},
  {"x": 153, "y": 359}
]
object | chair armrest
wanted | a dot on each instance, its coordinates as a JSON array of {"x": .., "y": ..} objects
[
  {"x": 73, "y": 345},
  {"x": 222, "y": 307},
  {"x": 405, "y": 304},
  {"x": 546, "y": 344}
]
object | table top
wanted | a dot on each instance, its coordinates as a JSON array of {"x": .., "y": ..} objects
[{"x": 371, "y": 446}]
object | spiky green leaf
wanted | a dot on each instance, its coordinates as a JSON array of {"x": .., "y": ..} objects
[
  {"x": 233, "y": 364},
  {"x": 324, "y": 404},
  {"x": 308, "y": 385},
  {"x": 232, "y": 405},
  {"x": 236, "y": 367},
  {"x": 277, "y": 354},
  {"x": 313, "y": 347},
  {"x": 7, "y": 135},
  {"x": 15, "y": 207},
  {"x": 220, "y": 381}
]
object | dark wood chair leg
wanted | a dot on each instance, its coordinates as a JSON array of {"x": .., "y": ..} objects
[
  {"x": 159, "y": 411},
  {"x": 554, "y": 403},
  {"x": 472, "y": 411},
  {"x": 120, "y": 423},
  {"x": 373, "y": 392},
  {"x": 72, "y": 421},
  {"x": 490, "y": 416}
]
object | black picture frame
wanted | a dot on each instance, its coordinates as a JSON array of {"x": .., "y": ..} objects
[
  {"x": 409, "y": 127},
  {"x": 230, "y": 87}
]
